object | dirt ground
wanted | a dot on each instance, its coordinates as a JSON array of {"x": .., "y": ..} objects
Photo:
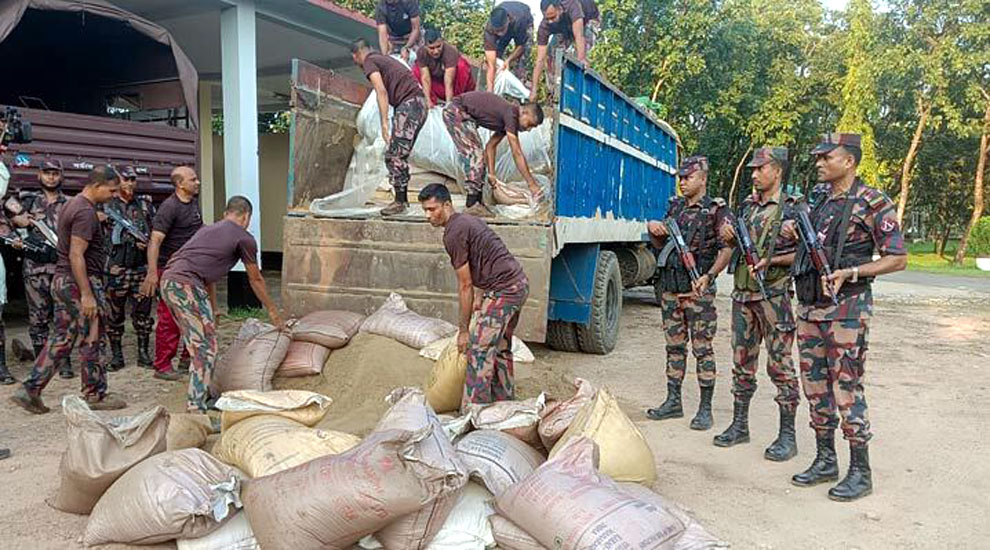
[{"x": 927, "y": 387}]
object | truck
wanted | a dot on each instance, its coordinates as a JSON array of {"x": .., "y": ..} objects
[{"x": 613, "y": 168}]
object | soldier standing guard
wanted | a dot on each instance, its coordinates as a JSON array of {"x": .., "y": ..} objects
[
  {"x": 759, "y": 317},
  {"x": 127, "y": 267},
  {"x": 688, "y": 307},
  {"x": 852, "y": 221}
]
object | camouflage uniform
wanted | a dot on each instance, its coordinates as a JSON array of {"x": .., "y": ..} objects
[
  {"x": 407, "y": 121},
  {"x": 127, "y": 267},
  {"x": 39, "y": 270},
  {"x": 190, "y": 306},
  {"x": 489, "y": 354},
  {"x": 464, "y": 131}
]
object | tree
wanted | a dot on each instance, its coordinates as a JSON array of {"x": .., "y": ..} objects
[{"x": 859, "y": 105}]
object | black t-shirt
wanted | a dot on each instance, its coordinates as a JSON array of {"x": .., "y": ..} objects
[
  {"x": 469, "y": 240},
  {"x": 519, "y": 30},
  {"x": 78, "y": 219},
  {"x": 397, "y": 15},
  {"x": 400, "y": 84},
  {"x": 179, "y": 221}
]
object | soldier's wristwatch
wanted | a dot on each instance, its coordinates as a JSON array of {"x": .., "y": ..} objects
[{"x": 855, "y": 274}]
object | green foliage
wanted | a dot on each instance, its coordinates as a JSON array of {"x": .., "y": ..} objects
[
  {"x": 859, "y": 98},
  {"x": 979, "y": 239}
]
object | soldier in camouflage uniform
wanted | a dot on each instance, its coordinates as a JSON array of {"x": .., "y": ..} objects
[
  {"x": 766, "y": 318},
  {"x": 29, "y": 210},
  {"x": 126, "y": 269},
  {"x": 688, "y": 307},
  {"x": 853, "y": 222}
]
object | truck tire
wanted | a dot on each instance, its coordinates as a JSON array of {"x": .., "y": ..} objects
[
  {"x": 657, "y": 290},
  {"x": 602, "y": 331},
  {"x": 562, "y": 336}
]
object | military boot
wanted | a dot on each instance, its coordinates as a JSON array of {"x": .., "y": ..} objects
[
  {"x": 22, "y": 351},
  {"x": 703, "y": 418},
  {"x": 116, "y": 355},
  {"x": 144, "y": 352},
  {"x": 785, "y": 446},
  {"x": 671, "y": 407},
  {"x": 399, "y": 205},
  {"x": 65, "y": 370},
  {"x": 738, "y": 431},
  {"x": 859, "y": 481},
  {"x": 5, "y": 378},
  {"x": 183, "y": 366},
  {"x": 826, "y": 464}
]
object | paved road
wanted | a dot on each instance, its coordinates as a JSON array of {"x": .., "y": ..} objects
[{"x": 955, "y": 282}]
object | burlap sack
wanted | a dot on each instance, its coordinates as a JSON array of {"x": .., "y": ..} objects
[
  {"x": 251, "y": 361},
  {"x": 567, "y": 504},
  {"x": 558, "y": 416},
  {"x": 519, "y": 419},
  {"x": 330, "y": 329},
  {"x": 497, "y": 459},
  {"x": 510, "y": 536},
  {"x": 188, "y": 431},
  {"x": 625, "y": 454},
  {"x": 395, "y": 320},
  {"x": 175, "y": 494},
  {"x": 334, "y": 501},
  {"x": 303, "y": 406},
  {"x": 520, "y": 351},
  {"x": 99, "y": 450},
  {"x": 303, "y": 359},
  {"x": 695, "y": 537},
  {"x": 266, "y": 444},
  {"x": 445, "y": 385}
]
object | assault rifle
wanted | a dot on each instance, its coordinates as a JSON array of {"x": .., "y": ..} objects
[
  {"x": 815, "y": 249},
  {"x": 21, "y": 244},
  {"x": 123, "y": 224},
  {"x": 748, "y": 249},
  {"x": 687, "y": 258}
]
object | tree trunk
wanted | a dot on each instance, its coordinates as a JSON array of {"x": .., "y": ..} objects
[
  {"x": 981, "y": 167},
  {"x": 735, "y": 177},
  {"x": 942, "y": 240},
  {"x": 902, "y": 200}
]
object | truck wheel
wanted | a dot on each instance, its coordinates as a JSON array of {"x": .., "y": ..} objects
[
  {"x": 602, "y": 331},
  {"x": 562, "y": 336}
]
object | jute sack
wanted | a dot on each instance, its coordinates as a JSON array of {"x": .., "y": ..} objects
[
  {"x": 519, "y": 419},
  {"x": 520, "y": 351},
  {"x": 303, "y": 406},
  {"x": 467, "y": 527},
  {"x": 395, "y": 320},
  {"x": 99, "y": 450},
  {"x": 625, "y": 454},
  {"x": 234, "y": 534},
  {"x": 568, "y": 504},
  {"x": 175, "y": 494},
  {"x": 330, "y": 329},
  {"x": 266, "y": 444},
  {"x": 334, "y": 501},
  {"x": 445, "y": 385},
  {"x": 557, "y": 417},
  {"x": 188, "y": 430},
  {"x": 251, "y": 361},
  {"x": 497, "y": 459},
  {"x": 695, "y": 537},
  {"x": 510, "y": 536},
  {"x": 410, "y": 412},
  {"x": 303, "y": 359}
]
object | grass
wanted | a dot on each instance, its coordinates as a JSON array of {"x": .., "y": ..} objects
[
  {"x": 922, "y": 257},
  {"x": 245, "y": 313}
]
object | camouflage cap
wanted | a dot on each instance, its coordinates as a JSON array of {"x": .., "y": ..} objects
[
  {"x": 765, "y": 155},
  {"x": 692, "y": 164},
  {"x": 128, "y": 173},
  {"x": 835, "y": 139},
  {"x": 51, "y": 164}
]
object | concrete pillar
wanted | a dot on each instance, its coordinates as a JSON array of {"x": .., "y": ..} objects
[
  {"x": 206, "y": 201},
  {"x": 240, "y": 107}
]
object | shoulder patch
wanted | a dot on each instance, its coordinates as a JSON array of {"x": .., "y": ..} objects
[
  {"x": 875, "y": 198},
  {"x": 718, "y": 201}
]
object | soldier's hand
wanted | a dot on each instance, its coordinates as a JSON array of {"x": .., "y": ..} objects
[
  {"x": 657, "y": 229},
  {"x": 727, "y": 232},
  {"x": 101, "y": 216},
  {"x": 788, "y": 230},
  {"x": 141, "y": 245},
  {"x": 88, "y": 304},
  {"x": 701, "y": 285},
  {"x": 834, "y": 282},
  {"x": 386, "y": 135},
  {"x": 17, "y": 245},
  {"x": 760, "y": 265},
  {"x": 21, "y": 220},
  {"x": 462, "y": 341},
  {"x": 149, "y": 285}
]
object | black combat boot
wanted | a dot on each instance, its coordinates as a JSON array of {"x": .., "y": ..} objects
[
  {"x": 116, "y": 355},
  {"x": 144, "y": 352},
  {"x": 65, "y": 370},
  {"x": 859, "y": 481},
  {"x": 703, "y": 418},
  {"x": 738, "y": 431},
  {"x": 671, "y": 407},
  {"x": 826, "y": 464},
  {"x": 399, "y": 205},
  {"x": 785, "y": 446},
  {"x": 5, "y": 378}
]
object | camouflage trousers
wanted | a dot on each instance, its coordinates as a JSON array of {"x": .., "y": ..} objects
[
  {"x": 690, "y": 318},
  {"x": 72, "y": 328},
  {"x": 833, "y": 357},
  {"x": 38, "y": 292},
  {"x": 191, "y": 308},
  {"x": 407, "y": 121},
  {"x": 464, "y": 132},
  {"x": 123, "y": 287},
  {"x": 770, "y": 322},
  {"x": 489, "y": 354}
]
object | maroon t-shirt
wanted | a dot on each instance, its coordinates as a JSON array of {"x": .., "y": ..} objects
[
  {"x": 399, "y": 81},
  {"x": 211, "y": 253},
  {"x": 490, "y": 111},
  {"x": 469, "y": 240},
  {"x": 572, "y": 11},
  {"x": 179, "y": 221},
  {"x": 449, "y": 56},
  {"x": 397, "y": 15},
  {"x": 78, "y": 219},
  {"x": 519, "y": 30}
]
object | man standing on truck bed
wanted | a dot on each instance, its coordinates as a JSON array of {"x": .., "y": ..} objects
[
  {"x": 463, "y": 115},
  {"x": 398, "y": 24},
  {"x": 80, "y": 304},
  {"x": 688, "y": 306},
  {"x": 568, "y": 23},
  {"x": 509, "y": 22},
  {"x": 177, "y": 220},
  {"x": 38, "y": 213},
  {"x": 441, "y": 70},
  {"x": 394, "y": 86},
  {"x": 189, "y": 289},
  {"x": 480, "y": 260}
]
